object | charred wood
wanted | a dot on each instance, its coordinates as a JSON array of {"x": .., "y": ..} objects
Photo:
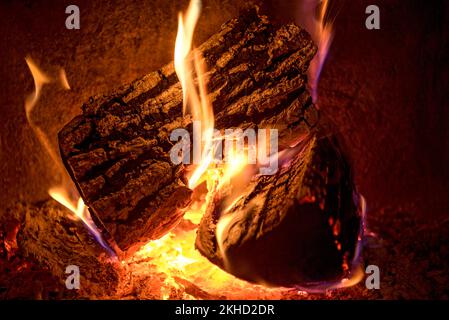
[{"x": 117, "y": 151}]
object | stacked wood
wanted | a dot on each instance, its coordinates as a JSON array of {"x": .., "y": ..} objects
[
  {"x": 117, "y": 151},
  {"x": 300, "y": 227}
]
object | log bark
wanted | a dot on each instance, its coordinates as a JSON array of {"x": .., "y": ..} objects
[
  {"x": 117, "y": 151},
  {"x": 300, "y": 227}
]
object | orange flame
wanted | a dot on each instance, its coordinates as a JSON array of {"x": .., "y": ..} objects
[
  {"x": 195, "y": 100},
  {"x": 174, "y": 254},
  {"x": 194, "y": 97},
  {"x": 62, "y": 192},
  {"x": 40, "y": 79}
]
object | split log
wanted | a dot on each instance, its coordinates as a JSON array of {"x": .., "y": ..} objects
[
  {"x": 117, "y": 151},
  {"x": 300, "y": 227}
]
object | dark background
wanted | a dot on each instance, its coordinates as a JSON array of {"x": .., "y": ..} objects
[{"x": 385, "y": 89}]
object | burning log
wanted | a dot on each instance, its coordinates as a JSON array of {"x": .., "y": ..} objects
[
  {"x": 117, "y": 151},
  {"x": 300, "y": 227}
]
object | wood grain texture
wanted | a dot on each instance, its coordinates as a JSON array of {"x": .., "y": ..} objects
[
  {"x": 299, "y": 227},
  {"x": 117, "y": 151}
]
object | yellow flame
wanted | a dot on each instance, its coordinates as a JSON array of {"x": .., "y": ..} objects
[
  {"x": 195, "y": 98},
  {"x": 62, "y": 192},
  {"x": 40, "y": 79},
  {"x": 80, "y": 210},
  {"x": 235, "y": 163},
  {"x": 182, "y": 49},
  {"x": 63, "y": 79},
  {"x": 175, "y": 256}
]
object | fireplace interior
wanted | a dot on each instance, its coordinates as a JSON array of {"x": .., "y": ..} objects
[{"x": 365, "y": 182}]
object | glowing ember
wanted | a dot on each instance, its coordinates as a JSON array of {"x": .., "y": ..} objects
[{"x": 174, "y": 254}]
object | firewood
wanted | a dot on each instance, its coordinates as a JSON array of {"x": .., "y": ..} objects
[
  {"x": 299, "y": 227},
  {"x": 117, "y": 151}
]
